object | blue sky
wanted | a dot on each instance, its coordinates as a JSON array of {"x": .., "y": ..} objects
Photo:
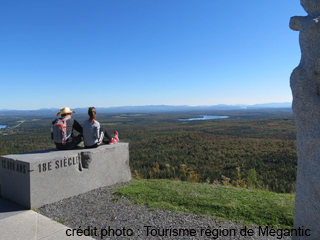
[{"x": 105, "y": 53}]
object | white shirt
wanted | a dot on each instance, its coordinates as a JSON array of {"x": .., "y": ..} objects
[{"x": 91, "y": 132}]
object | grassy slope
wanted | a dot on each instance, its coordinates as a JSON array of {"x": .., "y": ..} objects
[{"x": 226, "y": 202}]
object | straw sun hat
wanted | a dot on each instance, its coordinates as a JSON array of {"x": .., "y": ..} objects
[{"x": 65, "y": 110}]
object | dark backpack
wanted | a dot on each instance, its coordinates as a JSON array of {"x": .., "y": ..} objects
[{"x": 59, "y": 131}]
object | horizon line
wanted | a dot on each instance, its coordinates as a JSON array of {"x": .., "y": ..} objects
[{"x": 158, "y": 105}]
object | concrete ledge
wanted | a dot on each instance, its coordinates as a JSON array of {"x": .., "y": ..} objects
[
  {"x": 35, "y": 179},
  {"x": 31, "y": 225}
]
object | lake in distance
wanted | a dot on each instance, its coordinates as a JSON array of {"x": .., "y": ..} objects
[{"x": 203, "y": 117}]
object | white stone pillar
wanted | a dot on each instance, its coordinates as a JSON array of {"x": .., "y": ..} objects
[{"x": 305, "y": 86}]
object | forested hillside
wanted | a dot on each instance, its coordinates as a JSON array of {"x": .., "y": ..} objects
[{"x": 250, "y": 149}]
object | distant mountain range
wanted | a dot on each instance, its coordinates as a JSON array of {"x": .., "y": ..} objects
[{"x": 145, "y": 109}]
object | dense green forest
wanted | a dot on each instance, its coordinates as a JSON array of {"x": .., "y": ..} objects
[{"x": 252, "y": 148}]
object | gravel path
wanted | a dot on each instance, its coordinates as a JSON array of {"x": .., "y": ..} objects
[{"x": 96, "y": 210}]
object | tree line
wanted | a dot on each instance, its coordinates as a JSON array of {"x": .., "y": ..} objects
[{"x": 255, "y": 150}]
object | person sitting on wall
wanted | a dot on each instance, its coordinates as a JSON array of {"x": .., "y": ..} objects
[
  {"x": 93, "y": 134},
  {"x": 62, "y": 130}
]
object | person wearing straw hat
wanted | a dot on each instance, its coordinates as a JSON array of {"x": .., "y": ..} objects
[{"x": 65, "y": 126}]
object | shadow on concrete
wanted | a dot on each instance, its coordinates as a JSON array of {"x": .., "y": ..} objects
[{"x": 8, "y": 208}]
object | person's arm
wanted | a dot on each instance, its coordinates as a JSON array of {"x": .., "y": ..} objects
[
  {"x": 53, "y": 122},
  {"x": 96, "y": 130}
]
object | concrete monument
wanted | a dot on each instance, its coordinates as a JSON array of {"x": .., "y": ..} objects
[
  {"x": 35, "y": 179},
  {"x": 305, "y": 86}
]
